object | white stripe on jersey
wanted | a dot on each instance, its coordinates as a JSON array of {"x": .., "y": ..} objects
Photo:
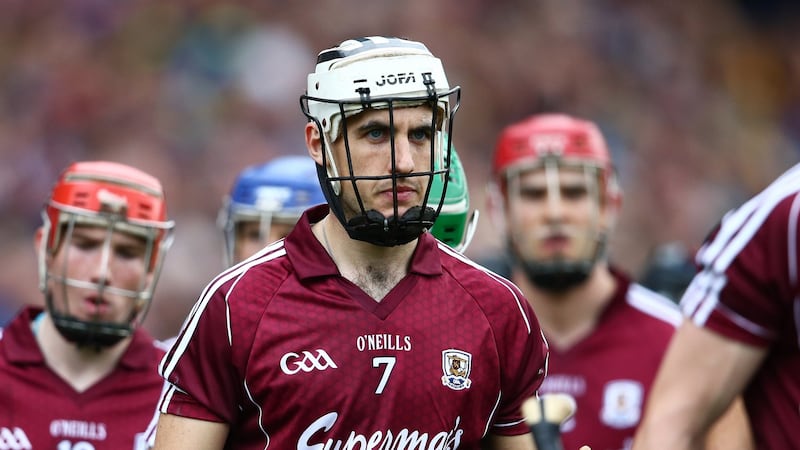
[
  {"x": 735, "y": 219},
  {"x": 654, "y": 304},
  {"x": 166, "y": 398},
  {"x": 260, "y": 414},
  {"x": 169, "y": 362},
  {"x": 502, "y": 281},
  {"x": 491, "y": 414},
  {"x": 736, "y": 230}
]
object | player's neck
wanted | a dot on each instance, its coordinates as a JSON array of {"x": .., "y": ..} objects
[
  {"x": 374, "y": 269},
  {"x": 79, "y": 367},
  {"x": 568, "y": 317}
]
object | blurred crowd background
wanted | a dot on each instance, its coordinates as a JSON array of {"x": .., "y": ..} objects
[{"x": 700, "y": 102}]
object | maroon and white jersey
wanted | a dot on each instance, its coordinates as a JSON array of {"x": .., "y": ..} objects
[
  {"x": 39, "y": 410},
  {"x": 294, "y": 356},
  {"x": 747, "y": 290},
  {"x": 610, "y": 372}
]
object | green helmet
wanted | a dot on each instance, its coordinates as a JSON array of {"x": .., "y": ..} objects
[{"x": 454, "y": 226}]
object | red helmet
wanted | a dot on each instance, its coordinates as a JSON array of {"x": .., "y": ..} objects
[
  {"x": 95, "y": 188},
  {"x": 121, "y": 199},
  {"x": 524, "y": 144}
]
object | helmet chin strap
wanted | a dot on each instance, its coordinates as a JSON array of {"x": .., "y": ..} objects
[
  {"x": 373, "y": 227},
  {"x": 557, "y": 277},
  {"x": 93, "y": 335}
]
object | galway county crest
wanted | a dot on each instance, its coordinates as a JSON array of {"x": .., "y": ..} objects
[{"x": 456, "y": 366}]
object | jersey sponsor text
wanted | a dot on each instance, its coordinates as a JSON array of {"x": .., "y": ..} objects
[{"x": 405, "y": 439}]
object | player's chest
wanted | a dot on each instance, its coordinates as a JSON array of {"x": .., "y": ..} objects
[
  {"x": 40, "y": 412},
  {"x": 411, "y": 360}
]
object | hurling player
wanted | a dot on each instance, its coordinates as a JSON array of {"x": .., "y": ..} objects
[
  {"x": 556, "y": 194},
  {"x": 266, "y": 201},
  {"x": 360, "y": 329},
  {"x": 80, "y": 374},
  {"x": 742, "y": 333}
]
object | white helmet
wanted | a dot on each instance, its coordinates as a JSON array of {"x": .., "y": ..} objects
[{"x": 379, "y": 73}]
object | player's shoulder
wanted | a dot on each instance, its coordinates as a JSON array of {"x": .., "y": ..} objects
[
  {"x": 653, "y": 305},
  {"x": 483, "y": 283},
  {"x": 460, "y": 264},
  {"x": 776, "y": 203},
  {"x": 263, "y": 271}
]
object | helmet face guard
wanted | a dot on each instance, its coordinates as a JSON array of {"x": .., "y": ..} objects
[
  {"x": 562, "y": 180},
  {"x": 117, "y": 199},
  {"x": 565, "y": 157},
  {"x": 277, "y": 192},
  {"x": 383, "y": 74}
]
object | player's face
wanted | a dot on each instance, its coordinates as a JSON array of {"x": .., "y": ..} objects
[
  {"x": 252, "y": 236},
  {"x": 94, "y": 276},
  {"x": 370, "y": 140},
  {"x": 554, "y": 213}
]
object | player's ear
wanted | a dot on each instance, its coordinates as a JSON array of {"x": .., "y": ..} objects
[{"x": 314, "y": 142}]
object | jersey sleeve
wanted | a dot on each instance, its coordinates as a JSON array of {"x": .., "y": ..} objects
[
  {"x": 747, "y": 273},
  {"x": 523, "y": 357},
  {"x": 199, "y": 367}
]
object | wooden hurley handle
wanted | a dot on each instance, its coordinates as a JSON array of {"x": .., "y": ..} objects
[{"x": 544, "y": 416}]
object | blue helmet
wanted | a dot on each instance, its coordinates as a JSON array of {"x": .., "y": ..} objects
[{"x": 277, "y": 191}]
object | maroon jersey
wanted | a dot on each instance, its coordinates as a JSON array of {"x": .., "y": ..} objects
[
  {"x": 610, "y": 372},
  {"x": 747, "y": 290},
  {"x": 39, "y": 410},
  {"x": 294, "y": 356}
]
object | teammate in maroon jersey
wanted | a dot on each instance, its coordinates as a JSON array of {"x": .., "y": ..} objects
[
  {"x": 558, "y": 198},
  {"x": 81, "y": 374},
  {"x": 742, "y": 331},
  {"x": 359, "y": 330}
]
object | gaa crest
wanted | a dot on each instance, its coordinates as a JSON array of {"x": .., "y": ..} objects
[
  {"x": 456, "y": 365},
  {"x": 622, "y": 403}
]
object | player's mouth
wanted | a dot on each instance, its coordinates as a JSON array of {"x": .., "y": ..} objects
[
  {"x": 96, "y": 306},
  {"x": 405, "y": 194},
  {"x": 555, "y": 244}
]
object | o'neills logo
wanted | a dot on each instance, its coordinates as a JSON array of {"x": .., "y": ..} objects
[
  {"x": 78, "y": 429},
  {"x": 402, "y": 440}
]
